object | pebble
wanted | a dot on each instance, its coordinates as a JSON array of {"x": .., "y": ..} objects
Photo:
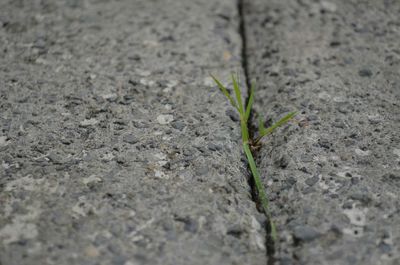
[
  {"x": 89, "y": 122},
  {"x": 328, "y": 6},
  {"x": 164, "y": 119},
  {"x": 391, "y": 178},
  {"x": 361, "y": 152},
  {"x": 305, "y": 233},
  {"x": 282, "y": 161},
  {"x": 202, "y": 170},
  {"x": 324, "y": 143},
  {"x": 179, "y": 125},
  {"x": 214, "y": 147},
  {"x": 361, "y": 197},
  {"x": 110, "y": 97},
  {"x": 92, "y": 179},
  {"x": 311, "y": 181},
  {"x": 365, "y": 72},
  {"x": 55, "y": 158},
  {"x": 291, "y": 181},
  {"x": 130, "y": 139},
  {"x": 347, "y": 205},
  {"x": 356, "y": 216},
  {"x": 3, "y": 141},
  {"x": 92, "y": 252}
]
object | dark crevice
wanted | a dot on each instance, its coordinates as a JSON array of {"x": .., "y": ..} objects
[
  {"x": 270, "y": 244},
  {"x": 242, "y": 32}
]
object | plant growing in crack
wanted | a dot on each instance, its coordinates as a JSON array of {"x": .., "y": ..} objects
[{"x": 249, "y": 144}]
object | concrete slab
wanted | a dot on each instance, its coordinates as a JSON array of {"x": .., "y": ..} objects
[
  {"x": 333, "y": 176},
  {"x": 116, "y": 147}
]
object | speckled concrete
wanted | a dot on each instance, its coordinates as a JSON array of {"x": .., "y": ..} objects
[
  {"x": 115, "y": 146},
  {"x": 333, "y": 176}
]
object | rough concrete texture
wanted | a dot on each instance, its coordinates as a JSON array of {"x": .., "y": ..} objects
[
  {"x": 333, "y": 176},
  {"x": 115, "y": 146}
]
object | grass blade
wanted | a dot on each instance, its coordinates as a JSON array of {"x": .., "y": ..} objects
[
  {"x": 238, "y": 95},
  {"x": 284, "y": 120},
  {"x": 225, "y": 92},
  {"x": 261, "y": 127},
  {"x": 250, "y": 102}
]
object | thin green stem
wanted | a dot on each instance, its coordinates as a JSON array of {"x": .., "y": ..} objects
[
  {"x": 260, "y": 189},
  {"x": 245, "y": 131}
]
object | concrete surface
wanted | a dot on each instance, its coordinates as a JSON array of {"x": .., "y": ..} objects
[
  {"x": 115, "y": 146},
  {"x": 334, "y": 175}
]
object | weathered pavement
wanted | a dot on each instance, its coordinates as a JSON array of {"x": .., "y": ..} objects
[
  {"x": 333, "y": 178},
  {"x": 115, "y": 147}
]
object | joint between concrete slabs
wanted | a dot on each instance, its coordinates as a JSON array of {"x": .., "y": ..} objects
[{"x": 270, "y": 245}]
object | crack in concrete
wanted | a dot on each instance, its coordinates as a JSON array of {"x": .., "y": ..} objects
[{"x": 269, "y": 243}]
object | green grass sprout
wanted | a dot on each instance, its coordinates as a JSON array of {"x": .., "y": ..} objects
[
  {"x": 253, "y": 144},
  {"x": 264, "y": 132}
]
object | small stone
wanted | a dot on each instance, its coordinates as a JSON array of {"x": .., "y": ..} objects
[
  {"x": 391, "y": 178},
  {"x": 312, "y": 181},
  {"x": 164, "y": 119},
  {"x": 374, "y": 119},
  {"x": 92, "y": 252},
  {"x": 334, "y": 43},
  {"x": 365, "y": 72},
  {"x": 110, "y": 97},
  {"x": 235, "y": 231},
  {"x": 89, "y": 122},
  {"x": 305, "y": 233},
  {"x": 213, "y": 147},
  {"x": 347, "y": 205},
  {"x": 146, "y": 82},
  {"x": 361, "y": 152},
  {"x": 92, "y": 179},
  {"x": 161, "y": 175},
  {"x": 334, "y": 196},
  {"x": 361, "y": 197},
  {"x": 191, "y": 225},
  {"x": 3, "y": 141},
  {"x": 202, "y": 170},
  {"x": 291, "y": 181},
  {"x": 356, "y": 216},
  {"x": 55, "y": 158},
  {"x": 354, "y": 181},
  {"x": 324, "y": 143},
  {"x": 188, "y": 151},
  {"x": 282, "y": 161},
  {"x": 396, "y": 152},
  {"x": 179, "y": 125},
  {"x": 328, "y": 6},
  {"x": 130, "y": 139},
  {"x": 307, "y": 190}
]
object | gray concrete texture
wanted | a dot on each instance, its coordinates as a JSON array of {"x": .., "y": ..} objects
[
  {"x": 117, "y": 148},
  {"x": 334, "y": 175},
  {"x": 115, "y": 145}
]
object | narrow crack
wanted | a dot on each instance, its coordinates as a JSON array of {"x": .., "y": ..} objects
[
  {"x": 242, "y": 32},
  {"x": 269, "y": 243}
]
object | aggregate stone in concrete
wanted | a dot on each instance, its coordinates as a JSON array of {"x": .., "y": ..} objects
[
  {"x": 333, "y": 176},
  {"x": 115, "y": 145}
]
